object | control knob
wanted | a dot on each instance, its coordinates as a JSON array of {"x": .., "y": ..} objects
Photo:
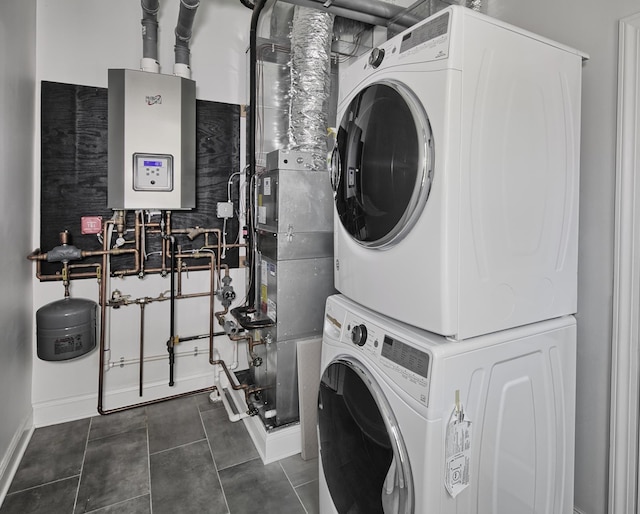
[
  {"x": 375, "y": 57},
  {"x": 359, "y": 335}
]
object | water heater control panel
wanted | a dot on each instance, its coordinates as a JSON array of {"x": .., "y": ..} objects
[{"x": 152, "y": 172}]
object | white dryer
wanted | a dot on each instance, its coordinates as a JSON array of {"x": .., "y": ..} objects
[
  {"x": 456, "y": 176},
  {"x": 388, "y": 397}
]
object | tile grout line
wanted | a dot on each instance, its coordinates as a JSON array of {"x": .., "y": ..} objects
[
  {"x": 84, "y": 457},
  {"x": 114, "y": 504},
  {"x": 292, "y": 487},
  {"x": 146, "y": 427},
  {"x": 43, "y": 484},
  {"x": 179, "y": 446},
  {"x": 213, "y": 459}
]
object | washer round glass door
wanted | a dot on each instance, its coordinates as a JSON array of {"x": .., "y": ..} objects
[
  {"x": 364, "y": 458},
  {"x": 382, "y": 166}
]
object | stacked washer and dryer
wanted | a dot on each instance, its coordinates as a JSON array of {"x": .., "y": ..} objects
[{"x": 448, "y": 361}]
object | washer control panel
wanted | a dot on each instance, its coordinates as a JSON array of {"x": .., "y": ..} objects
[{"x": 406, "y": 364}]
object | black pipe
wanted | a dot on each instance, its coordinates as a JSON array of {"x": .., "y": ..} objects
[
  {"x": 172, "y": 310},
  {"x": 251, "y": 113},
  {"x": 248, "y": 4},
  {"x": 141, "y": 365}
]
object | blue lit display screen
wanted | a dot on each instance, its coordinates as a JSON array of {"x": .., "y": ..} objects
[{"x": 154, "y": 164}]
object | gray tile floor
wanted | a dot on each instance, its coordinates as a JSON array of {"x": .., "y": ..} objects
[{"x": 182, "y": 456}]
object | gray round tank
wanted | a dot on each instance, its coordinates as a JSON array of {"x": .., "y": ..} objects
[{"x": 66, "y": 329}]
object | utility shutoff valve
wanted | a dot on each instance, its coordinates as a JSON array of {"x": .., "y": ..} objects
[{"x": 226, "y": 294}]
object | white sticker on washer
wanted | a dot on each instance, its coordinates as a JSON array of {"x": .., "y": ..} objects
[
  {"x": 457, "y": 451},
  {"x": 262, "y": 214},
  {"x": 266, "y": 186}
]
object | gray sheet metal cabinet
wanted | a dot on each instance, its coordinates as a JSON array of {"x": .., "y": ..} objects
[{"x": 294, "y": 271}]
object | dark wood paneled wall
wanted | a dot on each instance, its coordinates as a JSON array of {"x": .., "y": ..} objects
[{"x": 74, "y": 169}]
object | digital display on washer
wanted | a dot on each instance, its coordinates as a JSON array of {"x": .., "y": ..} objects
[
  {"x": 406, "y": 356},
  {"x": 425, "y": 32}
]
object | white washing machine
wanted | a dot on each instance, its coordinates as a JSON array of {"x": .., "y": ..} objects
[
  {"x": 388, "y": 425},
  {"x": 456, "y": 176}
]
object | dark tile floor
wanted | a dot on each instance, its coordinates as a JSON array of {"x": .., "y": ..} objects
[{"x": 178, "y": 457}]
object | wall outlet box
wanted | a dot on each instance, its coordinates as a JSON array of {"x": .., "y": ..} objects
[{"x": 225, "y": 210}]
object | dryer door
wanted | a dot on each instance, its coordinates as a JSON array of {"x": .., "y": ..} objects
[
  {"x": 382, "y": 166},
  {"x": 364, "y": 458}
]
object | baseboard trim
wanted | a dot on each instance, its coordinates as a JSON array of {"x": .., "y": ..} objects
[
  {"x": 13, "y": 455},
  {"x": 86, "y": 406},
  {"x": 271, "y": 445}
]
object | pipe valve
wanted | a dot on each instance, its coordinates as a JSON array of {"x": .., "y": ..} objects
[{"x": 226, "y": 294}]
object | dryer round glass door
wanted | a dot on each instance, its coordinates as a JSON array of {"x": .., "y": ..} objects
[
  {"x": 364, "y": 458},
  {"x": 383, "y": 164}
]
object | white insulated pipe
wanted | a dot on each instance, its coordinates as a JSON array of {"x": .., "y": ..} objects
[{"x": 219, "y": 395}]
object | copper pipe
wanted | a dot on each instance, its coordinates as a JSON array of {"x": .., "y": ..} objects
[
  {"x": 179, "y": 266},
  {"x": 39, "y": 257},
  {"x": 248, "y": 391},
  {"x": 65, "y": 278},
  {"x": 151, "y": 402},
  {"x": 103, "y": 305},
  {"x": 103, "y": 317}
]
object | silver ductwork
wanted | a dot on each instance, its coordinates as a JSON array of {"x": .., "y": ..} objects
[
  {"x": 476, "y": 5},
  {"x": 310, "y": 70},
  {"x": 373, "y": 12}
]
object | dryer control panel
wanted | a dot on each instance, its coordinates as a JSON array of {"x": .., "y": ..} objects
[{"x": 404, "y": 363}]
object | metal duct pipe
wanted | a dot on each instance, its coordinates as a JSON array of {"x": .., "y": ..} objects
[
  {"x": 149, "y": 61},
  {"x": 373, "y": 12},
  {"x": 251, "y": 136},
  {"x": 186, "y": 15},
  {"x": 311, "y": 35},
  {"x": 476, "y": 5}
]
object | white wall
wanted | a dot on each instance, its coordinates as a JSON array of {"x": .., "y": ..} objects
[
  {"x": 593, "y": 28},
  {"x": 17, "y": 85},
  {"x": 77, "y": 42}
]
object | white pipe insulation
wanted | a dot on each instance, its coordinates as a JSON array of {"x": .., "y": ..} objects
[{"x": 220, "y": 395}]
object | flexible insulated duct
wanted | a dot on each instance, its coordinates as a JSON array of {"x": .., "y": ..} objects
[
  {"x": 149, "y": 61},
  {"x": 476, "y": 5},
  {"x": 310, "y": 65}
]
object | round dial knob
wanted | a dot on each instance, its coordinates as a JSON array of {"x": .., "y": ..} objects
[
  {"x": 376, "y": 56},
  {"x": 359, "y": 335}
]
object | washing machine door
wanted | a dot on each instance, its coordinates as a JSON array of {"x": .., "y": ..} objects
[
  {"x": 382, "y": 165},
  {"x": 364, "y": 458}
]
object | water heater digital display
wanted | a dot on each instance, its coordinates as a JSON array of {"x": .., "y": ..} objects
[{"x": 152, "y": 172}]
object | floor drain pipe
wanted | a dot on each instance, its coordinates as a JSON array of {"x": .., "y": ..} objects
[
  {"x": 149, "y": 61},
  {"x": 182, "y": 66}
]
